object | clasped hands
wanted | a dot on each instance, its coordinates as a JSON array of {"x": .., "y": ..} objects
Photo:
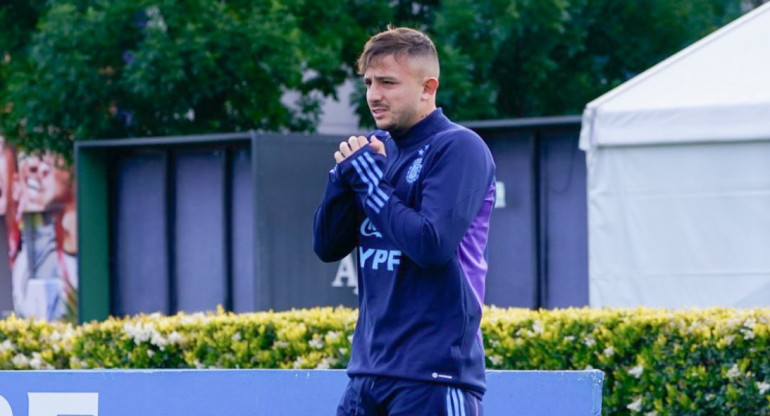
[{"x": 355, "y": 143}]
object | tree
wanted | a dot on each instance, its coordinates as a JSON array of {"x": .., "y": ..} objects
[
  {"x": 506, "y": 58},
  {"x": 86, "y": 69},
  {"x": 17, "y": 20},
  {"x": 120, "y": 68}
]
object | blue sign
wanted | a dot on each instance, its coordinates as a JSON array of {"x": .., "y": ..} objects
[{"x": 263, "y": 392}]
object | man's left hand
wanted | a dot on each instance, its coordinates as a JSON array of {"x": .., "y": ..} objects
[{"x": 354, "y": 143}]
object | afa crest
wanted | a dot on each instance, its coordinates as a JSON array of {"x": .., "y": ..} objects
[{"x": 414, "y": 171}]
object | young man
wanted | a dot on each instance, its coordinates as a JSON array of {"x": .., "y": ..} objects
[{"x": 415, "y": 200}]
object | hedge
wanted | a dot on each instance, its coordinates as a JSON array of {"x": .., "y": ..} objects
[{"x": 656, "y": 362}]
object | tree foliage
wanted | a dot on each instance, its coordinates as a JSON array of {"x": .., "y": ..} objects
[
  {"x": 505, "y": 58},
  {"x": 525, "y": 58},
  {"x": 120, "y": 68},
  {"x": 83, "y": 69},
  {"x": 17, "y": 24}
]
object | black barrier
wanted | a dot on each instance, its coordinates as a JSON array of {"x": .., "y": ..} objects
[
  {"x": 538, "y": 241},
  {"x": 198, "y": 222},
  {"x": 190, "y": 223}
]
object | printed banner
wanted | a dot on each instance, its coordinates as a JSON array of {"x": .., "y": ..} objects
[
  {"x": 263, "y": 392},
  {"x": 37, "y": 201}
]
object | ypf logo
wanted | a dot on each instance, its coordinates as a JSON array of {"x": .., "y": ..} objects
[{"x": 369, "y": 230}]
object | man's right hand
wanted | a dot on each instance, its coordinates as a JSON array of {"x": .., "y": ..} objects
[{"x": 349, "y": 147}]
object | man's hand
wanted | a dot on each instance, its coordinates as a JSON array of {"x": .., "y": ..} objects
[
  {"x": 377, "y": 145},
  {"x": 354, "y": 143}
]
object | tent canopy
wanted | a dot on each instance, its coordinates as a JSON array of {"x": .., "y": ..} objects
[
  {"x": 679, "y": 179},
  {"x": 718, "y": 89}
]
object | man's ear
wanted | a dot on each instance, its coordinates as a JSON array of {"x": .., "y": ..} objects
[{"x": 429, "y": 87}]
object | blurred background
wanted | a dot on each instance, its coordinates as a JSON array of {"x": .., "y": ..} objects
[{"x": 190, "y": 139}]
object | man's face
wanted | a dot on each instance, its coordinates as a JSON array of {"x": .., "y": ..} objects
[
  {"x": 393, "y": 92},
  {"x": 44, "y": 181}
]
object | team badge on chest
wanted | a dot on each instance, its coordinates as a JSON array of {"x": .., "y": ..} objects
[{"x": 414, "y": 171}]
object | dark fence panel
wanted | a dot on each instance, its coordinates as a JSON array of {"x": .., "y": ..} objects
[
  {"x": 227, "y": 220},
  {"x": 200, "y": 237},
  {"x": 242, "y": 236},
  {"x": 538, "y": 248},
  {"x": 140, "y": 267},
  {"x": 512, "y": 276},
  {"x": 291, "y": 177},
  {"x": 564, "y": 220}
]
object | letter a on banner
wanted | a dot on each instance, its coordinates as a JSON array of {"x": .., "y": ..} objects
[
  {"x": 55, "y": 404},
  {"x": 347, "y": 271}
]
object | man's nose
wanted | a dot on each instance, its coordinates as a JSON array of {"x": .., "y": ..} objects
[{"x": 373, "y": 94}]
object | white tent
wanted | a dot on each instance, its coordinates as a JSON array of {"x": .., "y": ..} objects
[{"x": 679, "y": 177}]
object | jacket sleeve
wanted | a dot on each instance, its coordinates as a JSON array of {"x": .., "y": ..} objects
[
  {"x": 336, "y": 221},
  {"x": 454, "y": 184}
]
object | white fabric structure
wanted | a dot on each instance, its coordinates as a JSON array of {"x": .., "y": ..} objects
[{"x": 679, "y": 177}]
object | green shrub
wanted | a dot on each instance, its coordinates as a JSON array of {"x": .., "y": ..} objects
[{"x": 656, "y": 362}]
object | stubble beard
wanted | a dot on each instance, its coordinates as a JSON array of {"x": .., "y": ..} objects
[{"x": 394, "y": 124}]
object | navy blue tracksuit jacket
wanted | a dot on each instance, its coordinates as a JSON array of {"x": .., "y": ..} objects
[{"x": 418, "y": 219}]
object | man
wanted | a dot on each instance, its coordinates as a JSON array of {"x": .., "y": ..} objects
[
  {"x": 415, "y": 199},
  {"x": 44, "y": 273}
]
